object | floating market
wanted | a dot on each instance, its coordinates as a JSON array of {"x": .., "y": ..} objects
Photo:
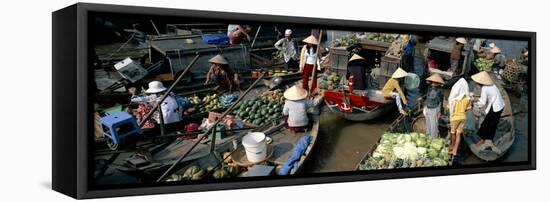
[{"x": 181, "y": 102}]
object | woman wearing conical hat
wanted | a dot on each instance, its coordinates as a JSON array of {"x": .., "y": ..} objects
[
  {"x": 498, "y": 58},
  {"x": 222, "y": 75},
  {"x": 433, "y": 104},
  {"x": 392, "y": 89},
  {"x": 493, "y": 102},
  {"x": 295, "y": 108},
  {"x": 308, "y": 59},
  {"x": 357, "y": 67}
]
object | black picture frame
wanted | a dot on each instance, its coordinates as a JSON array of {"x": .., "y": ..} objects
[{"x": 72, "y": 110}]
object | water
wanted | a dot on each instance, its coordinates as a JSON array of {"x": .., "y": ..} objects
[{"x": 342, "y": 144}]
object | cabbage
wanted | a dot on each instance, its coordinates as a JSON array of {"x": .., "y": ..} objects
[
  {"x": 437, "y": 144},
  {"x": 420, "y": 142},
  {"x": 397, "y": 150}
]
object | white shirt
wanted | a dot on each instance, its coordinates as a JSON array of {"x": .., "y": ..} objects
[
  {"x": 310, "y": 56},
  {"x": 297, "y": 111},
  {"x": 288, "y": 48},
  {"x": 170, "y": 108},
  {"x": 490, "y": 97},
  {"x": 231, "y": 28}
]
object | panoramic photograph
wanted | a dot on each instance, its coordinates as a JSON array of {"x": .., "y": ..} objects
[{"x": 177, "y": 101}]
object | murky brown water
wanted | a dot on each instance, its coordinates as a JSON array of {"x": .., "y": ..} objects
[{"x": 342, "y": 143}]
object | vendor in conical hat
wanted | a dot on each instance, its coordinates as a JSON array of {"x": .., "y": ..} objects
[
  {"x": 433, "y": 105},
  {"x": 296, "y": 106},
  {"x": 492, "y": 101},
  {"x": 357, "y": 68},
  {"x": 392, "y": 89},
  {"x": 498, "y": 58},
  {"x": 308, "y": 59},
  {"x": 456, "y": 54},
  {"x": 222, "y": 75}
]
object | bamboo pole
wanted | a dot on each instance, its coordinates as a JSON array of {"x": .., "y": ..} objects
[
  {"x": 148, "y": 116},
  {"x": 210, "y": 129},
  {"x": 315, "y": 63}
]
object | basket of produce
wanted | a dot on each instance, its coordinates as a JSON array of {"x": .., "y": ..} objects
[
  {"x": 407, "y": 150},
  {"x": 512, "y": 71}
]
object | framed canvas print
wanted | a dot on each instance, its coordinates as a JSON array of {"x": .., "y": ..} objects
[{"x": 157, "y": 100}]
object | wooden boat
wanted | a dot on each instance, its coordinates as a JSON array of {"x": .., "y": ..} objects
[
  {"x": 505, "y": 135},
  {"x": 283, "y": 144},
  {"x": 360, "y": 108},
  {"x": 414, "y": 122}
]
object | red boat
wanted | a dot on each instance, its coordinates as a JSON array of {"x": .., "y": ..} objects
[{"x": 356, "y": 107}]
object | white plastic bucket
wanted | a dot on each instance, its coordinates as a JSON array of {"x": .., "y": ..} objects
[{"x": 255, "y": 147}]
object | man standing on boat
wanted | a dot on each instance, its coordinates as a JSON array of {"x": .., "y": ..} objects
[
  {"x": 494, "y": 105},
  {"x": 289, "y": 47},
  {"x": 456, "y": 54}
]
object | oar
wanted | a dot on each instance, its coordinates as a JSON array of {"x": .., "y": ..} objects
[{"x": 209, "y": 130}]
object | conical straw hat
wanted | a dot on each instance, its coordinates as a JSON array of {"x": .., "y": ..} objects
[
  {"x": 399, "y": 73},
  {"x": 461, "y": 40},
  {"x": 355, "y": 57},
  {"x": 295, "y": 93},
  {"x": 311, "y": 40},
  {"x": 218, "y": 59},
  {"x": 483, "y": 78},
  {"x": 435, "y": 78},
  {"x": 495, "y": 50}
]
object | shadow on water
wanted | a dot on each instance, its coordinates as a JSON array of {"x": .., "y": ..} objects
[{"x": 342, "y": 143}]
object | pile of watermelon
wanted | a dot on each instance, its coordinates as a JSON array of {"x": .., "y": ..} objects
[{"x": 259, "y": 111}]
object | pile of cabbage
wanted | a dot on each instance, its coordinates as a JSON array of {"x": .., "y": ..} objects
[{"x": 398, "y": 150}]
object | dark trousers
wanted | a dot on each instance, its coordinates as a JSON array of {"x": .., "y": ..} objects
[
  {"x": 291, "y": 64},
  {"x": 489, "y": 126},
  {"x": 307, "y": 71}
]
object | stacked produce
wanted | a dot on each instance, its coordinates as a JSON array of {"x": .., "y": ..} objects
[
  {"x": 384, "y": 37},
  {"x": 329, "y": 81},
  {"x": 396, "y": 47},
  {"x": 226, "y": 170},
  {"x": 483, "y": 64},
  {"x": 208, "y": 103},
  {"x": 260, "y": 110},
  {"x": 412, "y": 150},
  {"x": 346, "y": 40},
  {"x": 277, "y": 72}
]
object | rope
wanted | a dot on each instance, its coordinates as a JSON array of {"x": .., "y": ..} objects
[{"x": 122, "y": 46}]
